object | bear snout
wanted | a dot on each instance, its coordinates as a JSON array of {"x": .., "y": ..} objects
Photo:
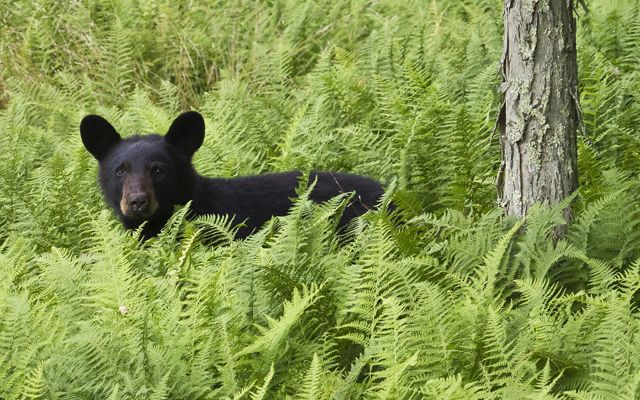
[
  {"x": 138, "y": 205},
  {"x": 138, "y": 199},
  {"x": 138, "y": 202}
]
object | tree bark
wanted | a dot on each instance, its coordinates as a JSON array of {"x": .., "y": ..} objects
[{"x": 540, "y": 114}]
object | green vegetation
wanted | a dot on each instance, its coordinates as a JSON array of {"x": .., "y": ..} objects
[{"x": 442, "y": 299}]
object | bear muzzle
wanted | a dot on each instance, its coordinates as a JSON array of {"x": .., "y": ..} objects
[
  {"x": 138, "y": 199},
  {"x": 138, "y": 206}
]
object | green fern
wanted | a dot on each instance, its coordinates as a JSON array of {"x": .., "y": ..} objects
[{"x": 440, "y": 296}]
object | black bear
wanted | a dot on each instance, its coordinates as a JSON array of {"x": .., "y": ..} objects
[{"x": 143, "y": 177}]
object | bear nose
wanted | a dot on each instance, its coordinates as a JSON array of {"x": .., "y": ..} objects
[{"x": 138, "y": 202}]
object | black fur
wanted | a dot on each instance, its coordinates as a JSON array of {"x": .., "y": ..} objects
[{"x": 146, "y": 176}]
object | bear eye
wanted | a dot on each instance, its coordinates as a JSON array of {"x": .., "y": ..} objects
[
  {"x": 119, "y": 171},
  {"x": 157, "y": 170}
]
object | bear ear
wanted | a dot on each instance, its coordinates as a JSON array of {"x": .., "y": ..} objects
[
  {"x": 98, "y": 135},
  {"x": 187, "y": 132}
]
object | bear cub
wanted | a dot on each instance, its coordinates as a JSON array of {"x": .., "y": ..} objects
[{"x": 143, "y": 177}]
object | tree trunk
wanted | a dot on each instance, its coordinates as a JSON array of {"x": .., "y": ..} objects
[{"x": 539, "y": 116}]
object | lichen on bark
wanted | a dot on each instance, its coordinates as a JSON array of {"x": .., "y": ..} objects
[{"x": 539, "y": 118}]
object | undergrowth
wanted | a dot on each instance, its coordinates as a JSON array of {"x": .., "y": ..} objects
[{"x": 441, "y": 298}]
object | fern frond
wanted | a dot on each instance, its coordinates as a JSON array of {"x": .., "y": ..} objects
[
  {"x": 275, "y": 334},
  {"x": 262, "y": 390}
]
